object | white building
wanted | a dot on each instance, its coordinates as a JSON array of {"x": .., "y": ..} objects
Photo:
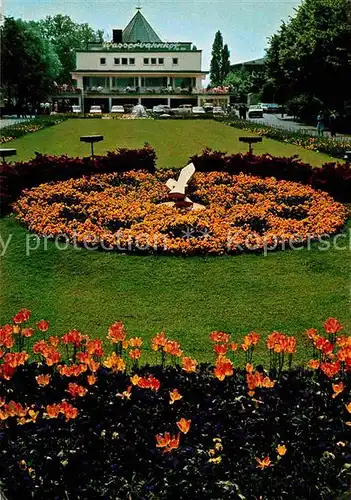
[{"x": 138, "y": 67}]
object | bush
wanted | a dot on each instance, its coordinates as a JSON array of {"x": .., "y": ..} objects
[
  {"x": 89, "y": 428},
  {"x": 335, "y": 178},
  {"x": 15, "y": 177}
]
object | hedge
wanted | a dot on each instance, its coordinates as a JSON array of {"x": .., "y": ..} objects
[{"x": 335, "y": 178}]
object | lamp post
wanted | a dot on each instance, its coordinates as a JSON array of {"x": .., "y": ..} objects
[
  {"x": 250, "y": 140},
  {"x": 91, "y": 139},
  {"x": 5, "y": 152}
]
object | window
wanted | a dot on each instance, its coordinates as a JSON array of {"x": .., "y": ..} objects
[
  {"x": 117, "y": 60},
  {"x": 146, "y": 60},
  {"x": 102, "y": 60},
  {"x": 132, "y": 60},
  {"x": 175, "y": 61},
  {"x": 160, "y": 60},
  {"x": 153, "y": 60},
  {"x": 124, "y": 60}
]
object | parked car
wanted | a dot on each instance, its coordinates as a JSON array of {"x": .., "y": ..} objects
[
  {"x": 264, "y": 106},
  {"x": 273, "y": 108},
  {"x": 208, "y": 108},
  {"x": 184, "y": 109},
  {"x": 117, "y": 109},
  {"x": 218, "y": 110},
  {"x": 255, "y": 111},
  {"x": 96, "y": 110},
  {"x": 161, "y": 109},
  {"x": 198, "y": 110},
  {"x": 76, "y": 109}
]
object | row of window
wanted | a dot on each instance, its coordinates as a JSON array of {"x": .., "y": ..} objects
[{"x": 124, "y": 61}]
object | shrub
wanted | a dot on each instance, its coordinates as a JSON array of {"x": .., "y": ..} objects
[
  {"x": 84, "y": 424},
  {"x": 335, "y": 178},
  {"x": 15, "y": 177}
]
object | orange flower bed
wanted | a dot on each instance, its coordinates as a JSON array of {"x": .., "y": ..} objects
[{"x": 125, "y": 211}]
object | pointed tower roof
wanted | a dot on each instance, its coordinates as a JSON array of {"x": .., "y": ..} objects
[{"x": 139, "y": 30}]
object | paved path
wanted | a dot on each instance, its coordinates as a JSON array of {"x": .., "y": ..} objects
[{"x": 288, "y": 123}]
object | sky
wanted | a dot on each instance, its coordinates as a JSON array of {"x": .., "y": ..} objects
[{"x": 246, "y": 25}]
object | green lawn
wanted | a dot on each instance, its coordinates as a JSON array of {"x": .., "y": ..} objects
[
  {"x": 175, "y": 141},
  {"x": 188, "y": 297}
]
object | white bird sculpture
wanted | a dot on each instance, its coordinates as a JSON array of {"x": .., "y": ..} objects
[{"x": 177, "y": 188}]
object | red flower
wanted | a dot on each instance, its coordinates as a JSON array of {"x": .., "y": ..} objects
[
  {"x": 22, "y": 316},
  {"x": 116, "y": 332},
  {"x": 220, "y": 349},
  {"x": 73, "y": 337},
  {"x": 219, "y": 337},
  {"x": 332, "y": 326},
  {"x": 43, "y": 325},
  {"x": 76, "y": 390},
  {"x": 135, "y": 354}
]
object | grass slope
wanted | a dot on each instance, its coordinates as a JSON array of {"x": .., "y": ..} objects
[
  {"x": 188, "y": 297},
  {"x": 174, "y": 141}
]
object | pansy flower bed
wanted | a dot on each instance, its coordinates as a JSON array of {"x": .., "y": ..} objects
[
  {"x": 126, "y": 212},
  {"x": 83, "y": 419}
]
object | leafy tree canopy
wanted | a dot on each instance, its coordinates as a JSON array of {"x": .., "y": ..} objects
[{"x": 311, "y": 54}]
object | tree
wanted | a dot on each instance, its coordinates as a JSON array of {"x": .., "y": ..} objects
[
  {"x": 225, "y": 63},
  {"x": 216, "y": 61},
  {"x": 29, "y": 63},
  {"x": 311, "y": 54},
  {"x": 67, "y": 36}
]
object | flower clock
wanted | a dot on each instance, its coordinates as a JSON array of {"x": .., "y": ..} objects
[{"x": 127, "y": 212}]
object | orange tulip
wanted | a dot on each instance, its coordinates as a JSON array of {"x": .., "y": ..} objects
[
  {"x": 184, "y": 425},
  {"x": 135, "y": 379},
  {"x": 163, "y": 441},
  {"x": 219, "y": 337},
  {"x": 173, "y": 443},
  {"x": 53, "y": 411},
  {"x": 249, "y": 367},
  {"x": 175, "y": 396},
  {"x": 91, "y": 379},
  {"x": 188, "y": 364},
  {"x": 43, "y": 380},
  {"x": 337, "y": 388},
  {"x": 265, "y": 462},
  {"x": 116, "y": 333},
  {"x": 135, "y": 354},
  {"x": 281, "y": 449},
  {"x": 348, "y": 407},
  {"x": 76, "y": 390},
  {"x": 313, "y": 364}
]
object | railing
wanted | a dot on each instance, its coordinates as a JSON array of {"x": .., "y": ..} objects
[{"x": 140, "y": 91}]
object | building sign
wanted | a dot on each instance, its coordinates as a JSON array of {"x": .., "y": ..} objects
[{"x": 149, "y": 46}]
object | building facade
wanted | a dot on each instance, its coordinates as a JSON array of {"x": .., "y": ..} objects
[{"x": 138, "y": 67}]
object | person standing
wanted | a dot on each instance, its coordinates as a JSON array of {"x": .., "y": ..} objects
[
  {"x": 320, "y": 124},
  {"x": 332, "y": 124}
]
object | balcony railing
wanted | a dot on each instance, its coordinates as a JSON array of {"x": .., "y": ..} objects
[{"x": 141, "y": 91}]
